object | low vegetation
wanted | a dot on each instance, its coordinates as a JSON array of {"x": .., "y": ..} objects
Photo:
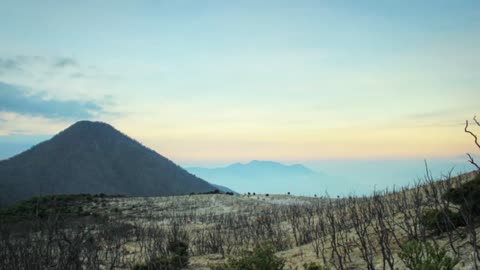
[
  {"x": 261, "y": 257},
  {"x": 467, "y": 197},
  {"x": 440, "y": 221},
  {"x": 215, "y": 191},
  {"x": 61, "y": 205},
  {"x": 426, "y": 256},
  {"x": 314, "y": 266},
  {"x": 373, "y": 232}
]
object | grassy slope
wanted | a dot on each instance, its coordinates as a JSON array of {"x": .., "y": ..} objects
[{"x": 160, "y": 210}]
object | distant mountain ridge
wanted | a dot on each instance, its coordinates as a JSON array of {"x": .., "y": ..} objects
[
  {"x": 268, "y": 177},
  {"x": 93, "y": 157},
  {"x": 266, "y": 166}
]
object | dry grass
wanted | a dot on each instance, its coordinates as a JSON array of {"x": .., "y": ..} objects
[{"x": 197, "y": 211}]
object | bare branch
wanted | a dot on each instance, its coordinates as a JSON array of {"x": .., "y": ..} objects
[
  {"x": 472, "y": 161},
  {"x": 471, "y": 133}
]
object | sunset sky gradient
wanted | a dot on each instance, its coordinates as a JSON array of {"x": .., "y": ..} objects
[{"x": 226, "y": 81}]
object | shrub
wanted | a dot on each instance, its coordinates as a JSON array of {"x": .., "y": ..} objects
[
  {"x": 467, "y": 196},
  {"x": 178, "y": 254},
  {"x": 418, "y": 255},
  {"x": 261, "y": 258},
  {"x": 67, "y": 205},
  {"x": 442, "y": 221}
]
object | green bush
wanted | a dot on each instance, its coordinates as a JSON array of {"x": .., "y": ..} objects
[
  {"x": 179, "y": 257},
  {"x": 442, "y": 220},
  {"x": 261, "y": 258},
  {"x": 467, "y": 196},
  {"x": 61, "y": 205},
  {"x": 418, "y": 255}
]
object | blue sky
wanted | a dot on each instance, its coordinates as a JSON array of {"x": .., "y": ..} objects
[{"x": 224, "y": 81}]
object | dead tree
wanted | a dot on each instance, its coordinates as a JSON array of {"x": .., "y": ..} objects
[
  {"x": 320, "y": 233},
  {"x": 385, "y": 234},
  {"x": 338, "y": 258},
  {"x": 361, "y": 218}
]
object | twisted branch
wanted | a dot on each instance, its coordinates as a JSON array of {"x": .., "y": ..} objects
[
  {"x": 471, "y": 133},
  {"x": 470, "y": 158}
]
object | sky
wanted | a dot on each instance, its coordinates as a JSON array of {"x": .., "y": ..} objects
[{"x": 215, "y": 82}]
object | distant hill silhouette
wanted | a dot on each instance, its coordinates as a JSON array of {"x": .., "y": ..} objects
[
  {"x": 93, "y": 157},
  {"x": 269, "y": 177}
]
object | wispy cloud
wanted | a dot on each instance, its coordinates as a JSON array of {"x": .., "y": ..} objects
[
  {"x": 64, "y": 62},
  {"x": 9, "y": 64},
  {"x": 24, "y": 63},
  {"x": 18, "y": 100}
]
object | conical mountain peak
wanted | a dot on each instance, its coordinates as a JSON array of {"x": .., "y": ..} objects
[{"x": 93, "y": 157}]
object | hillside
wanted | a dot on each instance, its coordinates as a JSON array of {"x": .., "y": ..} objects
[
  {"x": 93, "y": 157},
  {"x": 347, "y": 233}
]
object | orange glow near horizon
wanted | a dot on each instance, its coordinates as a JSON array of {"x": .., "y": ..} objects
[{"x": 331, "y": 144}]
